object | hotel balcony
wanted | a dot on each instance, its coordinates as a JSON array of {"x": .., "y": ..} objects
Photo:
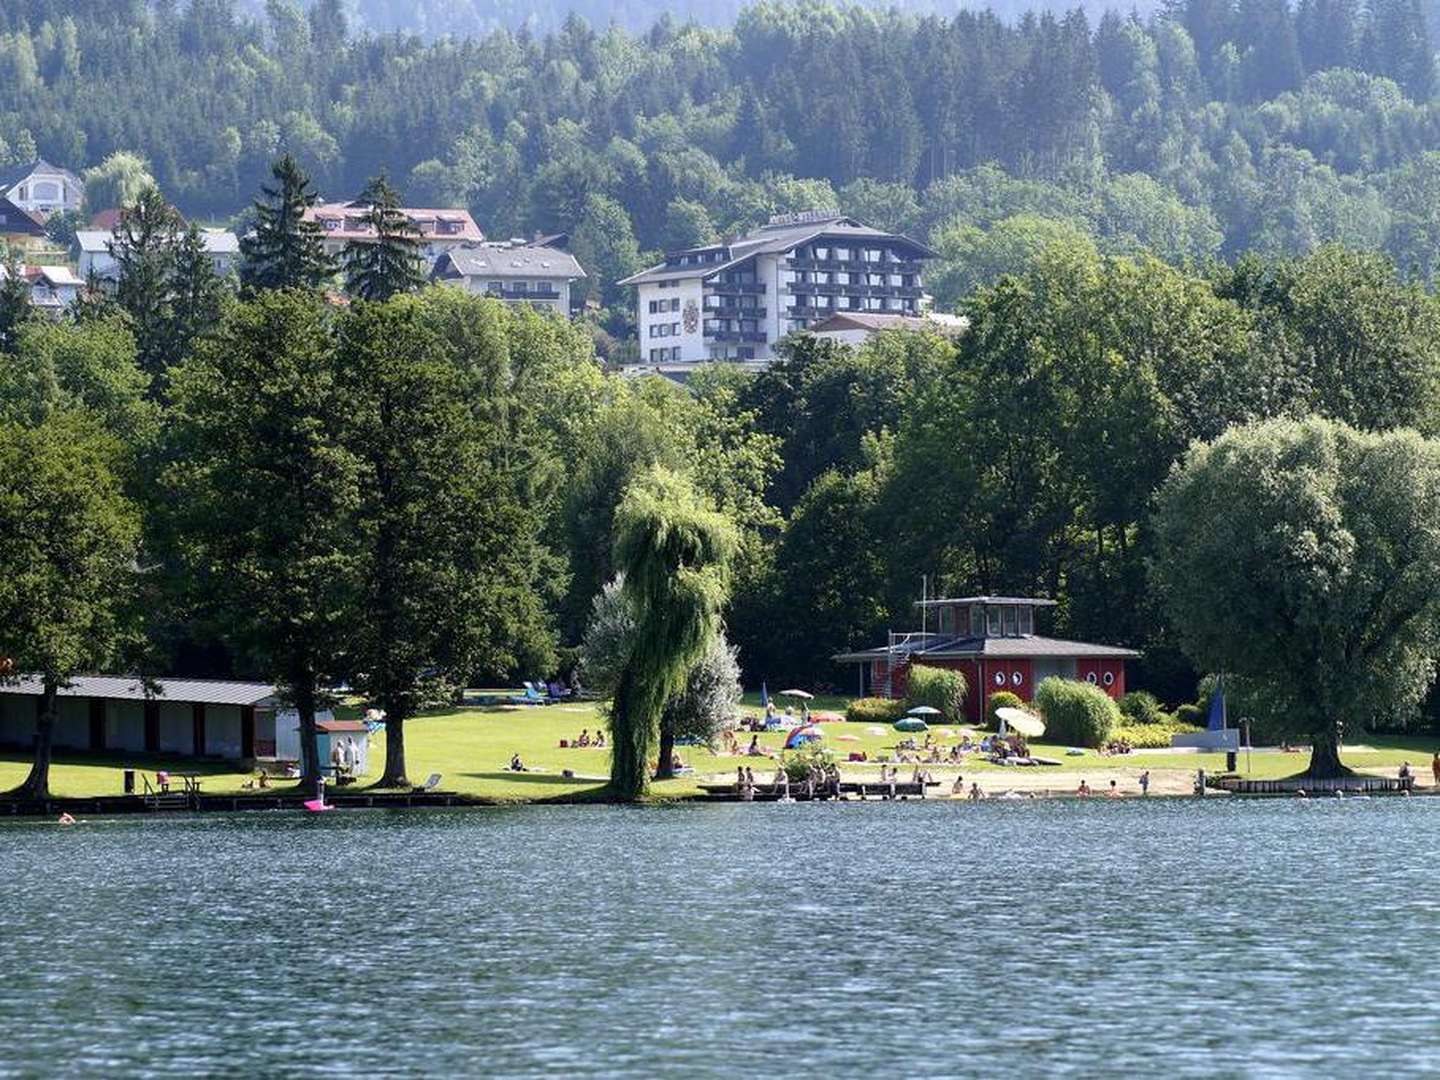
[
  {"x": 743, "y": 337},
  {"x": 736, "y": 288}
]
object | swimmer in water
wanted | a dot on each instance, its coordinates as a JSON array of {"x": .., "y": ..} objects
[{"x": 66, "y": 819}]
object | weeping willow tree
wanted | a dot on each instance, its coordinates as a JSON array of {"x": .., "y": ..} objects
[{"x": 674, "y": 553}]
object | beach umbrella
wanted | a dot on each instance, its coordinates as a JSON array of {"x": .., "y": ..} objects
[
  {"x": 798, "y": 693},
  {"x": 923, "y": 710},
  {"x": 911, "y": 723},
  {"x": 826, "y": 717},
  {"x": 1027, "y": 724}
]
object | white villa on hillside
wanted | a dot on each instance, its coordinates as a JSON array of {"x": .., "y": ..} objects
[
  {"x": 42, "y": 188},
  {"x": 439, "y": 230},
  {"x": 736, "y": 300},
  {"x": 516, "y": 272}
]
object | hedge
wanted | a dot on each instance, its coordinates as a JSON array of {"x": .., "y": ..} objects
[
  {"x": 1142, "y": 707},
  {"x": 1150, "y": 736},
  {"x": 940, "y": 688},
  {"x": 1001, "y": 699},
  {"x": 1190, "y": 715},
  {"x": 874, "y": 710},
  {"x": 1076, "y": 713}
]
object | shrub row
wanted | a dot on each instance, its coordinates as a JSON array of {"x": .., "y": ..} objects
[
  {"x": 874, "y": 710},
  {"x": 1001, "y": 699},
  {"x": 1150, "y": 736},
  {"x": 939, "y": 688},
  {"x": 1076, "y": 713}
]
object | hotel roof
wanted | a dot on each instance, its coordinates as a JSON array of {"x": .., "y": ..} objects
[
  {"x": 509, "y": 260},
  {"x": 773, "y": 239}
]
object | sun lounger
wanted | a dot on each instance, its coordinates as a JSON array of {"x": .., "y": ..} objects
[{"x": 431, "y": 783}]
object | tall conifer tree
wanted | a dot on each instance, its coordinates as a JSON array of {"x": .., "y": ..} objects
[
  {"x": 285, "y": 251},
  {"x": 390, "y": 263}
]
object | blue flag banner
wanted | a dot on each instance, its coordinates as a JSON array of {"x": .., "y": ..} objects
[{"x": 1217, "y": 709}]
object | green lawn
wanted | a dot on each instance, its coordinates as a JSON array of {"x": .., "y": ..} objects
[{"x": 470, "y": 748}]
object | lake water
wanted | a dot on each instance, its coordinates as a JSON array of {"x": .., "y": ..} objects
[{"x": 924, "y": 939}]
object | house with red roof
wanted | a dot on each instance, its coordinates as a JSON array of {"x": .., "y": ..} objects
[{"x": 991, "y": 640}]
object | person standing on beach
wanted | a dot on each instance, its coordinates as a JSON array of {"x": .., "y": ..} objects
[
  {"x": 1435, "y": 767},
  {"x": 1145, "y": 782}
]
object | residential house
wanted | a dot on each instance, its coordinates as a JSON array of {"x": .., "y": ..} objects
[
  {"x": 94, "y": 258},
  {"x": 858, "y": 327},
  {"x": 992, "y": 641},
  {"x": 437, "y": 231},
  {"x": 516, "y": 272},
  {"x": 21, "y": 228},
  {"x": 42, "y": 188},
  {"x": 53, "y": 289},
  {"x": 737, "y": 300}
]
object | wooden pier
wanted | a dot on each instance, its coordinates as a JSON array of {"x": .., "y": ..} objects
[
  {"x": 729, "y": 791},
  {"x": 1293, "y": 785}
]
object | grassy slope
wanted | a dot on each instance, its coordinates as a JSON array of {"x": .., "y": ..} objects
[{"x": 471, "y": 747}]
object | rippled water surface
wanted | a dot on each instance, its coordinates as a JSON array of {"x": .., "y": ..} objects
[{"x": 935, "y": 939}]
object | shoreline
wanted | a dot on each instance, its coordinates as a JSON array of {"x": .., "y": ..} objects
[{"x": 1006, "y": 786}]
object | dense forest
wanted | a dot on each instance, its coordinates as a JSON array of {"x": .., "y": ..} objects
[
  {"x": 1159, "y": 229},
  {"x": 1205, "y": 130},
  {"x": 463, "y": 18}
]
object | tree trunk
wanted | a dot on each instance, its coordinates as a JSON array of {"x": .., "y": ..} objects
[
  {"x": 664, "y": 770},
  {"x": 1325, "y": 756},
  {"x": 309, "y": 745},
  {"x": 394, "y": 751},
  {"x": 630, "y": 741},
  {"x": 37, "y": 784}
]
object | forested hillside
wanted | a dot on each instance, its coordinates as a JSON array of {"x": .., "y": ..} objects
[
  {"x": 460, "y": 18},
  {"x": 1214, "y": 129}
]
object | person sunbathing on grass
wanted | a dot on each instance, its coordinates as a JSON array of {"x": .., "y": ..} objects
[
  {"x": 584, "y": 739},
  {"x": 516, "y": 765}
]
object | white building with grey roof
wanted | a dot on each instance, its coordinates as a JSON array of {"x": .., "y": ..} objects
[
  {"x": 516, "y": 272},
  {"x": 736, "y": 300}
]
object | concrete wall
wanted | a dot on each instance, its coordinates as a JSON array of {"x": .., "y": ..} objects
[
  {"x": 222, "y": 730},
  {"x": 72, "y": 723},
  {"x": 125, "y": 726},
  {"x": 17, "y": 720},
  {"x": 177, "y": 728}
]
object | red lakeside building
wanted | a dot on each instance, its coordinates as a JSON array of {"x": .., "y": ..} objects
[{"x": 991, "y": 640}]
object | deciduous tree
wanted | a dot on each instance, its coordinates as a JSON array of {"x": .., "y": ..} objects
[
  {"x": 1301, "y": 556},
  {"x": 68, "y": 545}
]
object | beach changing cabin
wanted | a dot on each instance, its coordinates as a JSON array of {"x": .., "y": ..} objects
[
  {"x": 217, "y": 718},
  {"x": 992, "y": 641}
]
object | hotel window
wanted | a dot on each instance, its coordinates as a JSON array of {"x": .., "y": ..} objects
[
  {"x": 1027, "y": 621},
  {"x": 674, "y": 329},
  {"x": 977, "y": 621},
  {"x": 822, "y": 253},
  {"x": 1009, "y": 621},
  {"x": 843, "y": 254},
  {"x": 843, "y": 303},
  {"x": 992, "y": 616},
  {"x": 822, "y": 301}
]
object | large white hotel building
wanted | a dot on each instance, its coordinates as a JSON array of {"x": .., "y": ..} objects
[{"x": 736, "y": 300}]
